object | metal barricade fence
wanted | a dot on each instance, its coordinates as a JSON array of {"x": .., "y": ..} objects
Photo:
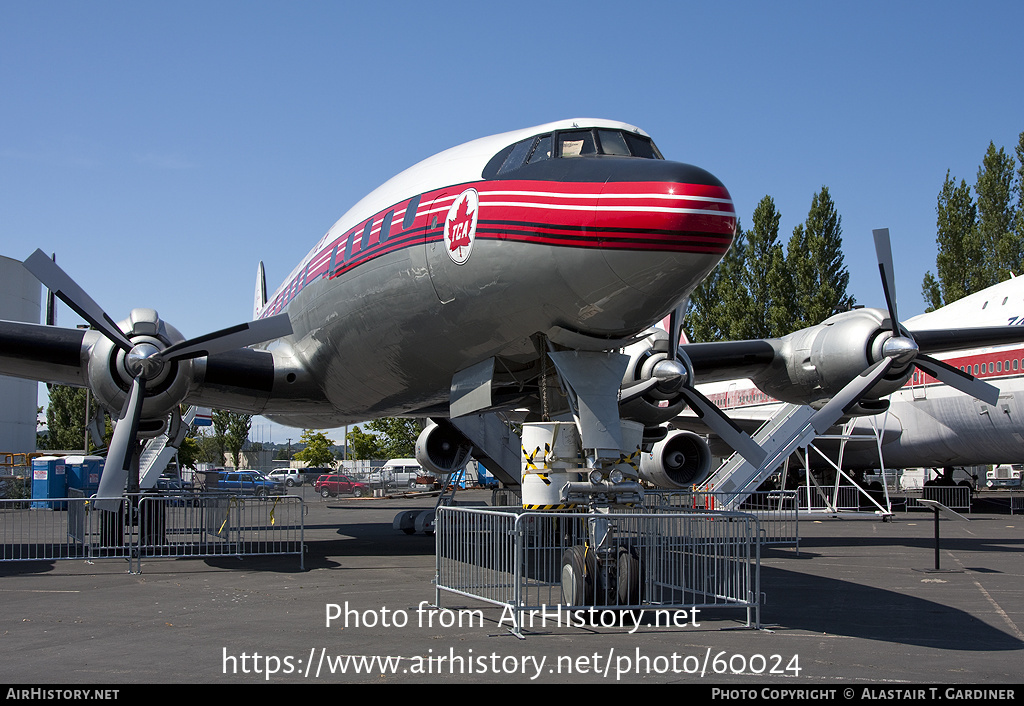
[
  {"x": 777, "y": 511},
  {"x": 66, "y": 528},
  {"x": 217, "y": 525},
  {"x": 151, "y": 526},
  {"x": 544, "y": 561},
  {"x": 955, "y": 497}
]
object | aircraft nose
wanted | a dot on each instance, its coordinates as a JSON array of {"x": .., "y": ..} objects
[
  {"x": 677, "y": 221},
  {"x": 670, "y": 206}
]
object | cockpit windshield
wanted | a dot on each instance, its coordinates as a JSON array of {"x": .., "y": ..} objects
[{"x": 571, "y": 144}]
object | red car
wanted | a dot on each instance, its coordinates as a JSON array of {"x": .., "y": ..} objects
[{"x": 331, "y": 485}]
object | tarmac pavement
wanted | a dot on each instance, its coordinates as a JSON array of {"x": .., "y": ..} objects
[{"x": 851, "y": 607}]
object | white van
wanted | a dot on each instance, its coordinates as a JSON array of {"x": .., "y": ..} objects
[{"x": 397, "y": 472}]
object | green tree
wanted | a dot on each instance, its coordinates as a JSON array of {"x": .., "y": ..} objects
[
  {"x": 816, "y": 264},
  {"x": 718, "y": 302},
  {"x": 237, "y": 434},
  {"x": 220, "y": 419},
  {"x": 317, "y": 451},
  {"x": 959, "y": 273},
  {"x": 189, "y": 452},
  {"x": 397, "y": 435},
  {"x": 65, "y": 417},
  {"x": 768, "y": 312},
  {"x": 995, "y": 189},
  {"x": 1018, "y": 219},
  {"x": 362, "y": 445},
  {"x": 979, "y": 243}
]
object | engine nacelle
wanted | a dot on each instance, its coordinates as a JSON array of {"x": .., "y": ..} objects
[
  {"x": 110, "y": 379},
  {"x": 819, "y": 361},
  {"x": 442, "y": 449},
  {"x": 656, "y": 406},
  {"x": 678, "y": 461}
]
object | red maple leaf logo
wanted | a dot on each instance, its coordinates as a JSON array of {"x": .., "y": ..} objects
[{"x": 459, "y": 227}]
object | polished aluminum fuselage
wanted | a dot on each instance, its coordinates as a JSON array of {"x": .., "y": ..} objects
[{"x": 383, "y": 317}]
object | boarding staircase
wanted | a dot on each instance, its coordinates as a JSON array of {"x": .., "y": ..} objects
[
  {"x": 780, "y": 436},
  {"x": 158, "y": 452}
]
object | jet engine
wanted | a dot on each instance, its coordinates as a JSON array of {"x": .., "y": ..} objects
[
  {"x": 676, "y": 462},
  {"x": 442, "y": 449}
]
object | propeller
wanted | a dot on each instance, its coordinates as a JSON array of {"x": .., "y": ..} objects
[
  {"x": 674, "y": 376},
  {"x": 897, "y": 351},
  {"x": 144, "y": 361},
  {"x": 905, "y": 349}
]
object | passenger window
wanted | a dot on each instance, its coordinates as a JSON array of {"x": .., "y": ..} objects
[
  {"x": 385, "y": 227},
  {"x": 410, "y": 212},
  {"x": 348, "y": 246},
  {"x": 365, "y": 242}
]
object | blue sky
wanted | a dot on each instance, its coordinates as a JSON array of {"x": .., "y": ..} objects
[{"x": 163, "y": 149}]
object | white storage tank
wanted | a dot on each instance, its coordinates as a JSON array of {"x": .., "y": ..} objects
[{"x": 20, "y": 294}]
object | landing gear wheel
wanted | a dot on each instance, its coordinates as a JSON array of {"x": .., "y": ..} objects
[
  {"x": 629, "y": 591},
  {"x": 579, "y": 571}
]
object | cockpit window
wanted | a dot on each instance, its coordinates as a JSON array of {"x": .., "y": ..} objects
[
  {"x": 541, "y": 151},
  {"x": 612, "y": 142},
  {"x": 571, "y": 144},
  {"x": 640, "y": 146},
  {"x": 577, "y": 143}
]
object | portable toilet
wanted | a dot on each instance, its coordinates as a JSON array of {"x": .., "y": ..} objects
[
  {"x": 48, "y": 481},
  {"x": 83, "y": 473}
]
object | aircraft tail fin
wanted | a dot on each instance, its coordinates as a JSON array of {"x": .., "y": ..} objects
[{"x": 260, "y": 297}]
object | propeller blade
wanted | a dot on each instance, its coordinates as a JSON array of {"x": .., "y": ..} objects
[
  {"x": 229, "y": 339},
  {"x": 945, "y": 340},
  {"x": 738, "y": 440},
  {"x": 119, "y": 455},
  {"x": 67, "y": 290},
  {"x": 883, "y": 251},
  {"x": 675, "y": 325},
  {"x": 637, "y": 389},
  {"x": 947, "y": 374},
  {"x": 850, "y": 395}
]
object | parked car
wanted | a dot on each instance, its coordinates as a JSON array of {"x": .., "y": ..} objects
[
  {"x": 335, "y": 484},
  {"x": 289, "y": 476},
  {"x": 249, "y": 483}
]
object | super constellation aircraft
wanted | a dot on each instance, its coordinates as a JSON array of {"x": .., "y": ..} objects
[{"x": 502, "y": 274}]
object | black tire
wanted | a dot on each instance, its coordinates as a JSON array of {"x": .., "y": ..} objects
[
  {"x": 325, "y": 493},
  {"x": 579, "y": 570},
  {"x": 628, "y": 587},
  {"x": 261, "y": 492},
  {"x": 290, "y": 483}
]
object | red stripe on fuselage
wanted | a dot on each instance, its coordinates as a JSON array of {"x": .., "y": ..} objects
[{"x": 635, "y": 216}]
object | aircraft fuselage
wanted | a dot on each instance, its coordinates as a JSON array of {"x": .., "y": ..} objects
[{"x": 462, "y": 258}]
